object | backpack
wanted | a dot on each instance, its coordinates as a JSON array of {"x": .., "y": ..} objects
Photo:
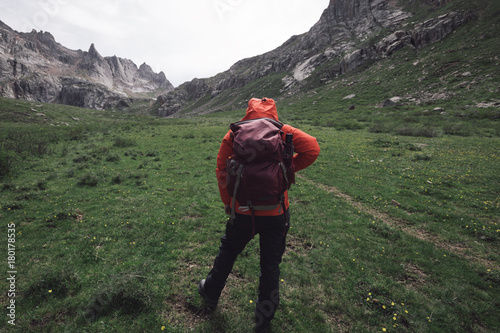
[{"x": 260, "y": 169}]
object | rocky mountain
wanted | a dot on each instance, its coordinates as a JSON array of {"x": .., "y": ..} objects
[
  {"x": 349, "y": 34},
  {"x": 33, "y": 66}
]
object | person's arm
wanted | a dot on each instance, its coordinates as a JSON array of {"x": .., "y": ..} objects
[
  {"x": 306, "y": 148},
  {"x": 225, "y": 151}
]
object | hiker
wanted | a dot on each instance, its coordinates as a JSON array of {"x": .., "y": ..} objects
[{"x": 246, "y": 221}]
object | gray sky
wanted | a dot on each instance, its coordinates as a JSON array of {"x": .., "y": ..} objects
[{"x": 185, "y": 39}]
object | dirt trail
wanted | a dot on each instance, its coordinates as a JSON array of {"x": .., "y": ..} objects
[{"x": 458, "y": 249}]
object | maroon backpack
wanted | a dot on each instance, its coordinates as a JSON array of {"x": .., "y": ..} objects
[{"x": 260, "y": 169}]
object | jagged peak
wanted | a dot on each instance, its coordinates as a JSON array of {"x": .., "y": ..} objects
[
  {"x": 162, "y": 76},
  {"x": 45, "y": 37},
  {"x": 145, "y": 68},
  {"x": 56, "y": 74},
  {"x": 93, "y": 52}
]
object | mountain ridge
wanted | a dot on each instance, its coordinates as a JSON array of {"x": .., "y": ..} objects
[
  {"x": 34, "y": 66},
  {"x": 349, "y": 34}
]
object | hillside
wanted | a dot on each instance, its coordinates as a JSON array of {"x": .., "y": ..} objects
[
  {"x": 116, "y": 217},
  {"x": 424, "y": 54}
]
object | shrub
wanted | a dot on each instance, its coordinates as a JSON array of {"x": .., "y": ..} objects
[
  {"x": 12, "y": 206},
  {"x": 8, "y": 186},
  {"x": 70, "y": 173},
  {"x": 384, "y": 143},
  {"x": 422, "y": 157},
  {"x": 32, "y": 142},
  {"x": 8, "y": 161},
  {"x": 457, "y": 129},
  {"x": 421, "y": 132},
  {"x": 189, "y": 136},
  {"x": 81, "y": 159},
  {"x": 61, "y": 284},
  {"x": 113, "y": 158},
  {"x": 128, "y": 295},
  {"x": 65, "y": 150},
  {"x": 122, "y": 142},
  {"x": 101, "y": 150},
  {"x": 413, "y": 147},
  {"x": 348, "y": 125},
  {"x": 89, "y": 179},
  {"x": 118, "y": 179},
  {"x": 379, "y": 128},
  {"x": 76, "y": 133},
  {"x": 41, "y": 185}
]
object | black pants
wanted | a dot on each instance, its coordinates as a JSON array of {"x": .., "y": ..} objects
[{"x": 272, "y": 231}]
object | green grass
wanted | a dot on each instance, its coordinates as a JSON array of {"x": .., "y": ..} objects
[
  {"x": 395, "y": 227},
  {"x": 115, "y": 227}
]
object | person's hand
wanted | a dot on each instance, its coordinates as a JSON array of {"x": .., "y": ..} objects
[{"x": 227, "y": 209}]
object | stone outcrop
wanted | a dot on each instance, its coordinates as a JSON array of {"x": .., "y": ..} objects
[
  {"x": 33, "y": 66},
  {"x": 339, "y": 42}
]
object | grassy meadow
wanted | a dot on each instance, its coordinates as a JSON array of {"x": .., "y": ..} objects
[{"x": 116, "y": 217}]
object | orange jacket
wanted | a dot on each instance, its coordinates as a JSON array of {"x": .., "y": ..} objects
[{"x": 306, "y": 149}]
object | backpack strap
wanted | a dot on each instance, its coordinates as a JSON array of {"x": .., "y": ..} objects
[
  {"x": 283, "y": 168},
  {"x": 285, "y": 212},
  {"x": 233, "y": 204},
  {"x": 253, "y": 223}
]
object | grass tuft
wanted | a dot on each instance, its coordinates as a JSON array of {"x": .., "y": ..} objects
[
  {"x": 53, "y": 284},
  {"x": 125, "y": 294},
  {"x": 89, "y": 179}
]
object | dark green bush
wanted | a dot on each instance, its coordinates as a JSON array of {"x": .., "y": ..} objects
[
  {"x": 90, "y": 179},
  {"x": 458, "y": 129},
  {"x": 70, "y": 173},
  {"x": 41, "y": 185},
  {"x": 33, "y": 142},
  {"x": 384, "y": 143},
  {"x": 117, "y": 179},
  {"x": 8, "y": 161},
  {"x": 413, "y": 147},
  {"x": 122, "y": 142},
  {"x": 12, "y": 206},
  {"x": 422, "y": 157},
  {"x": 126, "y": 294},
  {"x": 379, "y": 127},
  {"x": 60, "y": 284},
  {"x": 81, "y": 159},
  {"x": 420, "y": 132},
  {"x": 113, "y": 158}
]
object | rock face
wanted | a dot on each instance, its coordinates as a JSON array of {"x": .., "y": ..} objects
[
  {"x": 340, "y": 42},
  {"x": 33, "y": 66}
]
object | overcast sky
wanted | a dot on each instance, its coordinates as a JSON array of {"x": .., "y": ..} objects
[{"x": 185, "y": 39}]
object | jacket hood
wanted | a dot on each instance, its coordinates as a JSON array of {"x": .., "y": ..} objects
[{"x": 261, "y": 108}]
